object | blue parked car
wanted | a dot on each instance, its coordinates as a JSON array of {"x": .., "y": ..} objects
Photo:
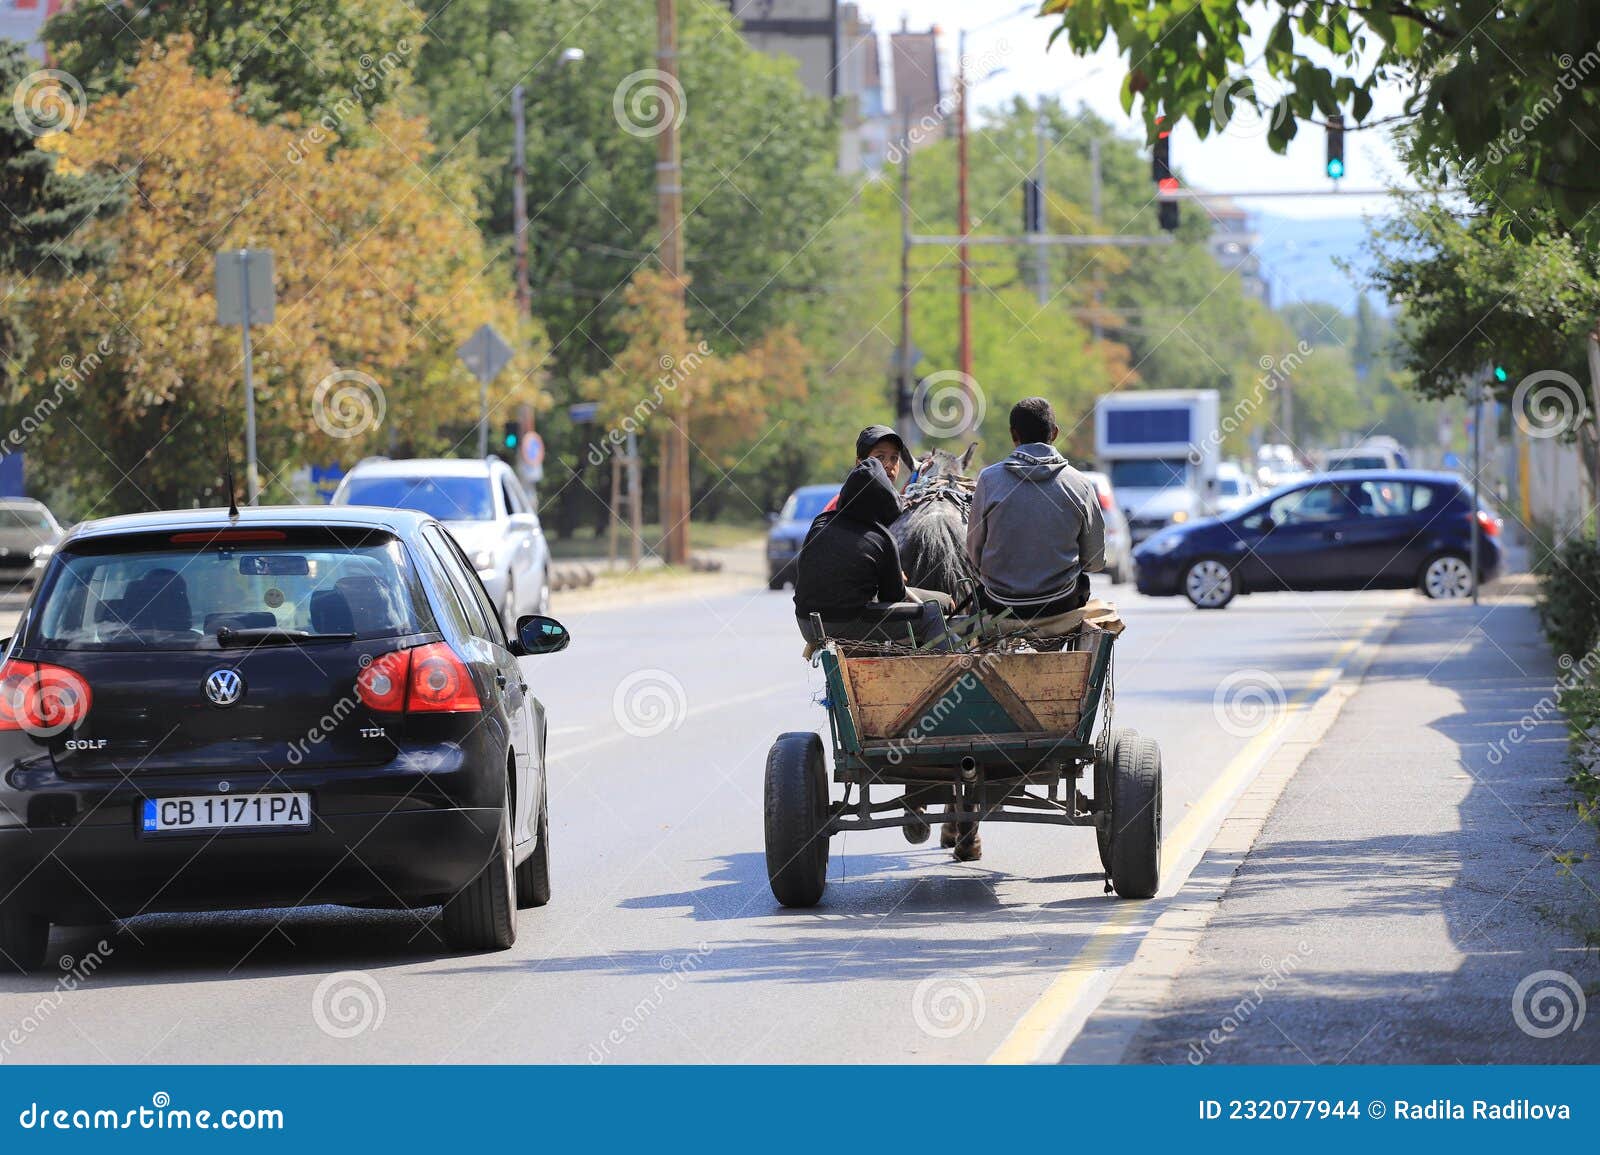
[
  {"x": 789, "y": 526},
  {"x": 1362, "y": 529}
]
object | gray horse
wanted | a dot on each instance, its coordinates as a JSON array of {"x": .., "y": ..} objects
[{"x": 932, "y": 533}]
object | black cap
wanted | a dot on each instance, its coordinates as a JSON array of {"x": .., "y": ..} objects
[{"x": 873, "y": 434}]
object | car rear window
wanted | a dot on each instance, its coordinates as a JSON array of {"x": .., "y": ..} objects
[
  {"x": 445, "y": 497},
  {"x": 165, "y": 595}
]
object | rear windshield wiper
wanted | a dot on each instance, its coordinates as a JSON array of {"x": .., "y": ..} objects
[{"x": 228, "y": 637}]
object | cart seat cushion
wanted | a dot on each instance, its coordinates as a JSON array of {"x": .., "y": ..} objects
[
  {"x": 879, "y": 621},
  {"x": 1097, "y": 614}
]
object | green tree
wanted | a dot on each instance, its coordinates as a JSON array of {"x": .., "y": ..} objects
[
  {"x": 1500, "y": 94},
  {"x": 315, "y": 60},
  {"x": 41, "y": 232}
]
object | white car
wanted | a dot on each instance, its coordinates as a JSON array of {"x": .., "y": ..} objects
[
  {"x": 1119, "y": 541},
  {"x": 485, "y": 509},
  {"x": 1234, "y": 489}
]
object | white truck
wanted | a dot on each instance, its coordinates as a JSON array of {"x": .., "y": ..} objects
[{"x": 1161, "y": 448}]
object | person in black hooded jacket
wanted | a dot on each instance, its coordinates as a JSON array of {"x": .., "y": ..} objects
[{"x": 848, "y": 560}]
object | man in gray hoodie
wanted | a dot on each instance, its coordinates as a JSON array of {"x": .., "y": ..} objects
[{"x": 1036, "y": 529}]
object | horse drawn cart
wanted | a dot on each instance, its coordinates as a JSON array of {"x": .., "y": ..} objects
[{"x": 991, "y": 729}]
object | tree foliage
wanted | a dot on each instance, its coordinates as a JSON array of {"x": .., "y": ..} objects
[
  {"x": 379, "y": 278},
  {"x": 1501, "y": 95}
]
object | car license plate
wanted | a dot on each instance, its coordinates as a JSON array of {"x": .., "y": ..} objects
[{"x": 225, "y": 812}]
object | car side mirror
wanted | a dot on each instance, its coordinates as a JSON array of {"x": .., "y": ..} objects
[
  {"x": 537, "y": 634},
  {"x": 523, "y": 521},
  {"x": 1267, "y": 524},
  {"x": 772, "y": 519}
]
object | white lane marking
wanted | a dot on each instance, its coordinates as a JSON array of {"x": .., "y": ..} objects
[{"x": 694, "y": 712}]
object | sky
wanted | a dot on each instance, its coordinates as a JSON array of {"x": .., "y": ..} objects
[{"x": 1237, "y": 160}]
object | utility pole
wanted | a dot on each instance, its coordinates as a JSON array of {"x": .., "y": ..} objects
[
  {"x": 963, "y": 217},
  {"x": 669, "y": 200},
  {"x": 1094, "y": 211},
  {"x": 1041, "y": 260},
  {"x": 902, "y": 402},
  {"x": 519, "y": 201},
  {"x": 1477, "y": 477}
]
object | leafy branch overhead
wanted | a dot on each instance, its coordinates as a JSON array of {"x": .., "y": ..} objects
[{"x": 1500, "y": 95}]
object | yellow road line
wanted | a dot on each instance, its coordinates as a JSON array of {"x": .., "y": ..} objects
[{"x": 1088, "y": 968}]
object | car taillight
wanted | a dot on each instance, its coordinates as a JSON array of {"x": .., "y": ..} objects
[
  {"x": 1489, "y": 524},
  {"x": 42, "y": 699},
  {"x": 423, "y": 679},
  {"x": 1105, "y": 499}
]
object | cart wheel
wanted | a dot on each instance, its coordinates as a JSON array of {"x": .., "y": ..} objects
[
  {"x": 1136, "y": 816},
  {"x": 1102, "y": 790},
  {"x": 796, "y": 812}
]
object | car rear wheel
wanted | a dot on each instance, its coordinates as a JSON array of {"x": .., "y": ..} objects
[
  {"x": 1447, "y": 577},
  {"x": 544, "y": 592},
  {"x": 508, "y": 609},
  {"x": 484, "y": 915},
  {"x": 24, "y": 938},
  {"x": 1209, "y": 584},
  {"x": 533, "y": 876}
]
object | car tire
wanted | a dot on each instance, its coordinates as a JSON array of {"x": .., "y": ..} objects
[
  {"x": 1446, "y": 577},
  {"x": 1209, "y": 583},
  {"x": 508, "y": 609},
  {"x": 544, "y": 591},
  {"x": 483, "y": 916},
  {"x": 24, "y": 939},
  {"x": 533, "y": 876},
  {"x": 796, "y": 814},
  {"x": 1136, "y": 817}
]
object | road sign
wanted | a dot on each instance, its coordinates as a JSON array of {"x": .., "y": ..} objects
[
  {"x": 485, "y": 353},
  {"x": 245, "y": 273},
  {"x": 583, "y": 412},
  {"x": 533, "y": 450}
]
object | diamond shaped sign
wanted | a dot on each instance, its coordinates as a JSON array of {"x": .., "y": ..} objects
[{"x": 485, "y": 353}]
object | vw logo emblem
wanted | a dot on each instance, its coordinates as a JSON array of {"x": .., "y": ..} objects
[{"x": 224, "y": 687}]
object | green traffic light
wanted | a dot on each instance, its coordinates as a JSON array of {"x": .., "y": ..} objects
[
  {"x": 511, "y": 440},
  {"x": 1500, "y": 373},
  {"x": 1336, "y": 167}
]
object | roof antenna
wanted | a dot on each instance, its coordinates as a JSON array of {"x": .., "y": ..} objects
[{"x": 227, "y": 468}]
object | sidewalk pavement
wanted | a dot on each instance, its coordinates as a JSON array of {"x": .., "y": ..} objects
[{"x": 1403, "y": 897}]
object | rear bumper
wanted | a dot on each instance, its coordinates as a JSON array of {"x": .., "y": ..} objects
[
  {"x": 400, "y": 858},
  {"x": 412, "y": 832}
]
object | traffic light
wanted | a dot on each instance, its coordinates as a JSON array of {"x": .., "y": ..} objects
[
  {"x": 513, "y": 431},
  {"x": 1032, "y": 207},
  {"x": 1336, "y": 146},
  {"x": 1501, "y": 375},
  {"x": 1166, "y": 183}
]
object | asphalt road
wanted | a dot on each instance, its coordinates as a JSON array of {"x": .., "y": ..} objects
[{"x": 663, "y": 943}]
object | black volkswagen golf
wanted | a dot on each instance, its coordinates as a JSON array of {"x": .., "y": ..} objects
[{"x": 281, "y": 707}]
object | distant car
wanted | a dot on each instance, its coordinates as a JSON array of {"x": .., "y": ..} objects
[
  {"x": 1119, "y": 541},
  {"x": 1235, "y": 488},
  {"x": 1373, "y": 453},
  {"x": 289, "y": 706},
  {"x": 28, "y": 531},
  {"x": 486, "y": 510},
  {"x": 789, "y": 526},
  {"x": 1372, "y": 529}
]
